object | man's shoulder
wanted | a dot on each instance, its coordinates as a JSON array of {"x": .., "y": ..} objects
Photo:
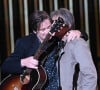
[
  {"x": 27, "y": 38},
  {"x": 78, "y": 41}
]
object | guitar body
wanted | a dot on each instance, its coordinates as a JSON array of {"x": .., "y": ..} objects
[{"x": 37, "y": 80}]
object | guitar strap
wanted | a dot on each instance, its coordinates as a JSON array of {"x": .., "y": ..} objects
[{"x": 60, "y": 53}]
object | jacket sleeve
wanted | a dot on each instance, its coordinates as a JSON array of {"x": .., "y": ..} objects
[
  {"x": 87, "y": 68},
  {"x": 12, "y": 63}
]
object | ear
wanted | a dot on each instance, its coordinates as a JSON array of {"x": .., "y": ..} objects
[{"x": 69, "y": 26}]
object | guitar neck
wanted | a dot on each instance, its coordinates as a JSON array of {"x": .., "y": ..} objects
[
  {"x": 41, "y": 49},
  {"x": 39, "y": 52}
]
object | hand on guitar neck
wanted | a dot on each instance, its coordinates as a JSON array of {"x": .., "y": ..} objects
[{"x": 29, "y": 62}]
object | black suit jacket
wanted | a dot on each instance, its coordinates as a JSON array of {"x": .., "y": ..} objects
[{"x": 26, "y": 46}]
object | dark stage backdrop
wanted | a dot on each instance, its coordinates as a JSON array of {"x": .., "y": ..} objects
[{"x": 14, "y": 16}]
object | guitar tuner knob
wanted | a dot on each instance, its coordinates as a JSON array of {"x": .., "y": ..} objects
[{"x": 60, "y": 20}]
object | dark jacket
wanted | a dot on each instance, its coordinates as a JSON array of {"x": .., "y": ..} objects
[{"x": 25, "y": 47}]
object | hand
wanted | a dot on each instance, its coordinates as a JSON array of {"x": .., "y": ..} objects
[
  {"x": 71, "y": 35},
  {"x": 26, "y": 80},
  {"x": 29, "y": 62}
]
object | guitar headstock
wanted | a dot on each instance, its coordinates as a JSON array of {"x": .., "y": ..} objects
[{"x": 57, "y": 25}]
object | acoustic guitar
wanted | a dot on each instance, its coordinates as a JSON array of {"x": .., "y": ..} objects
[{"x": 37, "y": 77}]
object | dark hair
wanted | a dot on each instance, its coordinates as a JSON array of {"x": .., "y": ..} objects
[{"x": 36, "y": 18}]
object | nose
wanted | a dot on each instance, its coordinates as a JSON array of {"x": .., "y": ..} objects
[{"x": 46, "y": 30}]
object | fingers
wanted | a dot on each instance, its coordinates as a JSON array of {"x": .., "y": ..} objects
[
  {"x": 26, "y": 80},
  {"x": 32, "y": 63},
  {"x": 29, "y": 62},
  {"x": 71, "y": 35}
]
